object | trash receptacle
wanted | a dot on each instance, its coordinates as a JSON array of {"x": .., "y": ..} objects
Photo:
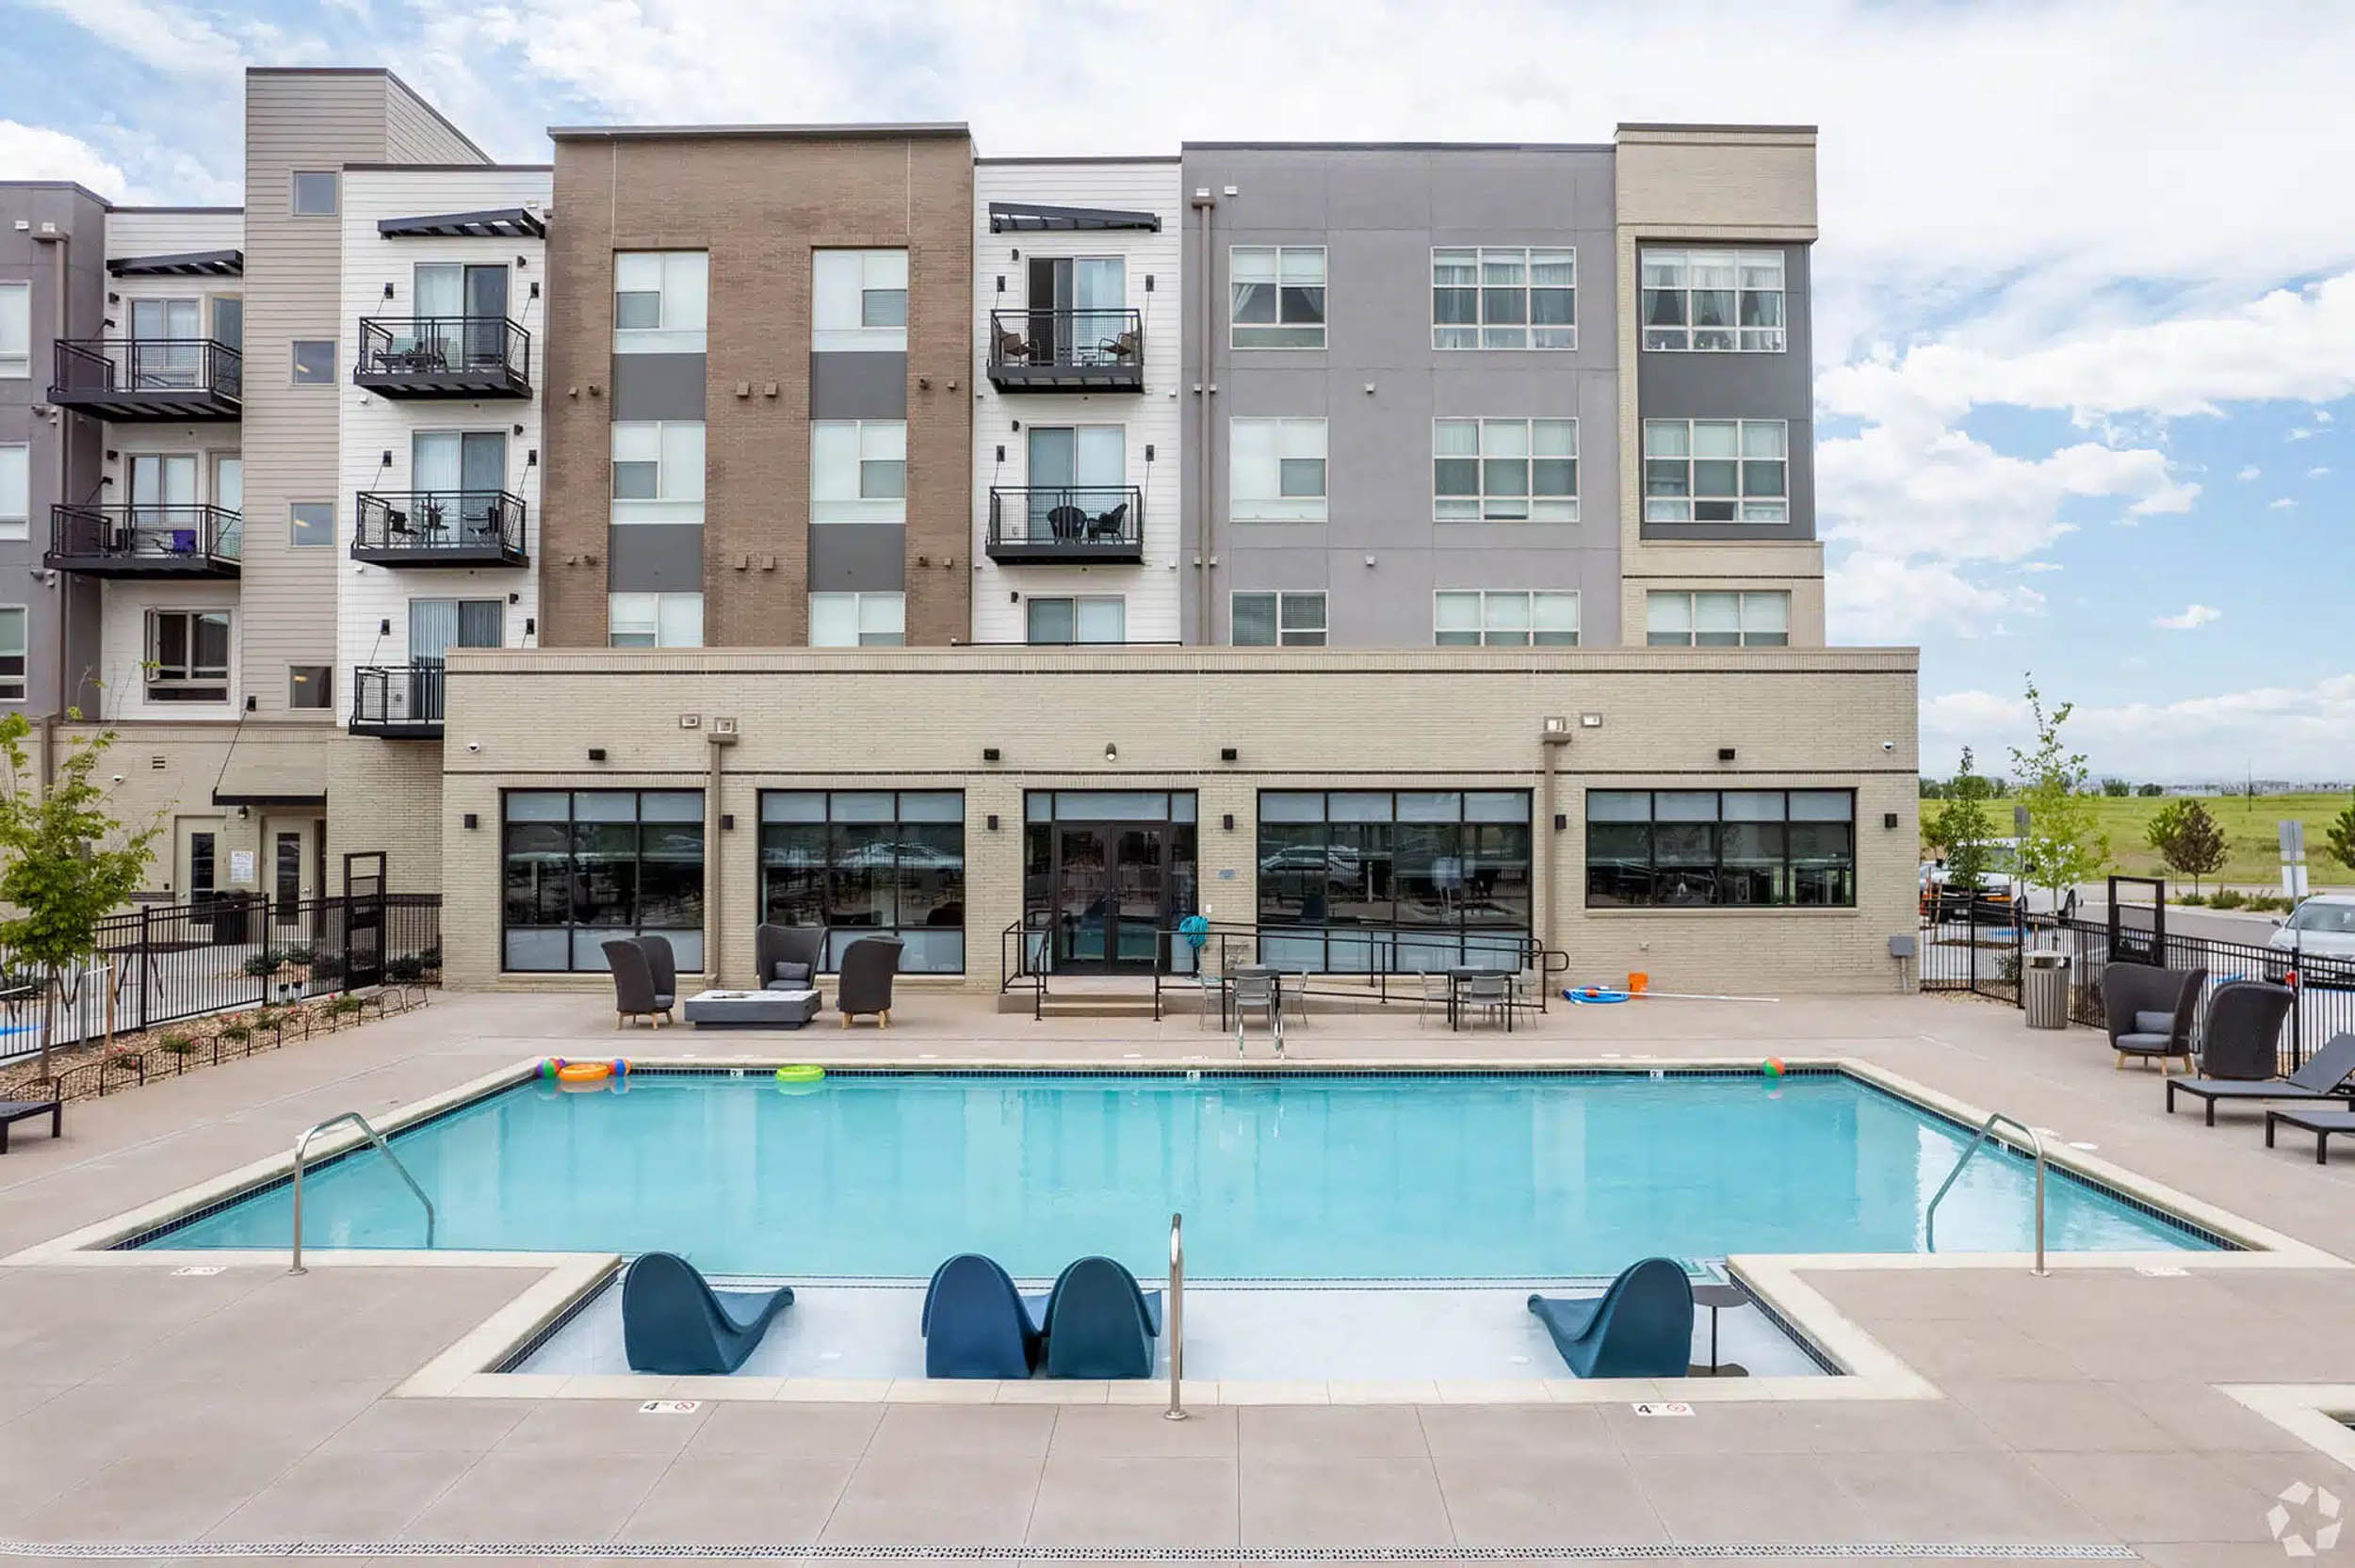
[{"x": 2044, "y": 989}]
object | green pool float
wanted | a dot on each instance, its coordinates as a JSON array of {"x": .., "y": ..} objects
[{"x": 802, "y": 1073}]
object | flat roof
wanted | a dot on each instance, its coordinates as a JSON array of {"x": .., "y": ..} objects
[
  {"x": 813, "y": 133},
  {"x": 1396, "y": 146},
  {"x": 1714, "y": 125}
]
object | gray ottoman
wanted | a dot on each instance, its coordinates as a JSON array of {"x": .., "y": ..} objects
[{"x": 773, "y": 1010}]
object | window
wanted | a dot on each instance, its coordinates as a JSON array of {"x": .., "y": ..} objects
[
  {"x": 14, "y": 642},
  {"x": 868, "y": 862},
  {"x": 1713, "y": 300},
  {"x": 654, "y": 620},
  {"x": 581, "y": 868},
  {"x": 1277, "y": 295},
  {"x": 1504, "y": 469},
  {"x": 658, "y": 471},
  {"x": 229, "y": 321},
  {"x": 15, "y": 490},
  {"x": 187, "y": 656},
  {"x": 1269, "y": 620},
  {"x": 1771, "y": 848},
  {"x": 1276, "y": 470},
  {"x": 288, "y": 871},
  {"x": 858, "y": 471},
  {"x": 1716, "y": 471},
  {"x": 314, "y": 193},
  {"x": 16, "y": 332},
  {"x": 1679, "y": 620},
  {"x": 310, "y": 685},
  {"x": 1055, "y": 622},
  {"x": 312, "y": 523},
  {"x": 314, "y": 361},
  {"x": 1394, "y": 880},
  {"x": 1470, "y": 618},
  {"x": 1506, "y": 296},
  {"x": 859, "y": 301},
  {"x": 858, "y": 620},
  {"x": 437, "y": 625},
  {"x": 661, "y": 300}
]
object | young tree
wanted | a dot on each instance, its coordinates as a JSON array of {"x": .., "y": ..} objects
[
  {"x": 65, "y": 862},
  {"x": 2341, "y": 832},
  {"x": 2188, "y": 839},
  {"x": 2116, "y": 789},
  {"x": 2063, "y": 847},
  {"x": 1962, "y": 827},
  {"x": 2150, "y": 790}
]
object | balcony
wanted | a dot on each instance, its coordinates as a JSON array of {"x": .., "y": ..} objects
[
  {"x": 144, "y": 540},
  {"x": 152, "y": 378},
  {"x": 440, "y": 528},
  {"x": 1081, "y": 524},
  {"x": 398, "y": 702},
  {"x": 443, "y": 356},
  {"x": 1066, "y": 350}
]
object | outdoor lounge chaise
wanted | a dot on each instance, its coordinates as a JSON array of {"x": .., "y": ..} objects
[
  {"x": 976, "y": 1324},
  {"x": 13, "y": 1111},
  {"x": 2323, "y": 1078},
  {"x": 1100, "y": 1324},
  {"x": 2322, "y": 1124},
  {"x": 1641, "y": 1327},
  {"x": 2150, "y": 1010},
  {"x": 673, "y": 1323}
]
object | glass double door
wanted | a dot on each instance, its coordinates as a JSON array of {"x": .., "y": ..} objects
[{"x": 1111, "y": 895}]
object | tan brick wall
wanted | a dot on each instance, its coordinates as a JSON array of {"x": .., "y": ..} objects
[
  {"x": 1426, "y": 719},
  {"x": 759, "y": 206},
  {"x": 258, "y": 757},
  {"x": 387, "y": 796}
]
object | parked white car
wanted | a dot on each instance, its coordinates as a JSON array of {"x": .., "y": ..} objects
[
  {"x": 2322, "y": 927},
  {"x": 2000, "y": 887}
]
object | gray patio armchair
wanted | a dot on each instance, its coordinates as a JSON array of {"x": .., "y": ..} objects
[
  {"x": 633, "y": 983},
  {"x": 800, "y": 949},
  {"x": 663, "y": 965},
  {"x": 2150, "y": 1010},
  {"x": 2241, "y": 1038},
  {"x": 864, "y": 987}
]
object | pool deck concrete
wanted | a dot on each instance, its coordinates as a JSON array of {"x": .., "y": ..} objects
[{"x": 2099, "y": 1406}]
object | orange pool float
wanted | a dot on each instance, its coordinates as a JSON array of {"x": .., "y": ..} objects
[{"x": 584, "y": 1072}]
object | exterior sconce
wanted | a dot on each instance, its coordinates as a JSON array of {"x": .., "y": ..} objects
[{"x": 1111, "y": 751}]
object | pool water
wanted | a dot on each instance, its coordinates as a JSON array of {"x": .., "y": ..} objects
[{"x": 1339, "y": 1177}]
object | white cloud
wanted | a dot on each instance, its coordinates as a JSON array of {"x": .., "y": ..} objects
[
  {"x": 34, "y": 153},
  {"x": 2281, "y": 502},
  {"x": 164, "y": 38},
  {"x": 2251, "y": 472},
  {"x": 2320, "y": 416},
  {"x": 2191, "y": 620},
  {"x": 1877, "y": 598},
  {"x": 2284, "y": 731},
  {"x": 2319, "y": 472},
  {"x": 2299, "y": 432}
]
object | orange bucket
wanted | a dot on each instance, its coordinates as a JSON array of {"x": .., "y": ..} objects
[{"x": 1637, "y": 981}]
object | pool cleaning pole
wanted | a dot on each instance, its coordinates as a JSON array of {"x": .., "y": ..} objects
[{"x": 1176, "y": 1410}]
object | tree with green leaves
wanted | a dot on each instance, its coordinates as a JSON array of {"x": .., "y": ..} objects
[
  {"x": 1962, "y": 827},
  {"x": 2150, "y": 790},
  {"x": 2188, "y": 839},
  {"x": 2116, "y": 789},
  {"x": 2063, "y": 844},
  {"x": 65, "y": 862},
  {"x": 2341, "y": 832}
]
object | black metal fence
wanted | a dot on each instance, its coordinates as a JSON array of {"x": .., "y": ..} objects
[
  {"x": 160, "y": 963},
  {"x": 1983, "y": 953}
]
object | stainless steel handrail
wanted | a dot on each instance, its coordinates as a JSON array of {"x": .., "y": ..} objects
[
  {"x": 1176, "y": 1410},
  {"x": 302, "y": 1149},
  {"x": 1987, "y": 1129}
]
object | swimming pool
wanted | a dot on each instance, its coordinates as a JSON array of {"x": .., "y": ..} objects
[{"x": 1292, "y": 1175}]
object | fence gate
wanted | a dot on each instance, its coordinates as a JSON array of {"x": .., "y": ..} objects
[
  {"x": 2138, "y": 933},
  {"x": 364, "y": 919}
]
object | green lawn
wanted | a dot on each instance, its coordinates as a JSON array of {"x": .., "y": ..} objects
[{"x": 2249, "y": 829}]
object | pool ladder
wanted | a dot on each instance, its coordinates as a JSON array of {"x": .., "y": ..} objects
[
  {"x": 1176, "y": 1410},
  {"x": 301, "y": 1151},
  {"x": 1987, "y": 1130}
]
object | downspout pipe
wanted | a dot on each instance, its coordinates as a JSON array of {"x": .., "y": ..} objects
[
  {"x": 1206, "y": 537},
  {"x": 715, "y": 861},
  {"x": 1555, "y": 735},
  {"x": 58, "y": 279}
]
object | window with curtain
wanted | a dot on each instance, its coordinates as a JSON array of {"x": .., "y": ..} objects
[
  {"x": 13, "y": 648},
  {"x": 1716, "y": 471},
  {"x": 1504, "y": 297},
  {"x": 187, "y": 656},
  {"x": 869, "y": 862},
  {"x": 1713, "y": 300},
  {"x": 658, "y": 471},
  {"x": 1276, "y": 470},
  {"x": 1273, "y": 619},
  {"x": 460, "y": 476},
  {"x": 580, "y": 867},
  {"x": 859, "y": 301},
  {"x": 1276, "y": 296},
  {"x": 1504, "y": 469},
  {"x": 654, "y": 620},
  {"x": 437, "y": 625},
  {"x": 1700, "y": 848},
  {"x": 661, "y": 300},
  {"x": 1057, "y": 620},
  {"x": 1394, "y": 880},
  {"x": 1473, "y": 618},
  {"x": 858, "y": 471},
  {"x": 1675, "y": 618},
  {"x": 1077, "y": 309}
]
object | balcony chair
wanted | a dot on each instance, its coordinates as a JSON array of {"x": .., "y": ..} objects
[
  {"x": 1068, "y": 522},
  {"x": 1122, "y": 349},
  {"x": 1013, "y": 348},
  {"x": 1112, "y": 524}
]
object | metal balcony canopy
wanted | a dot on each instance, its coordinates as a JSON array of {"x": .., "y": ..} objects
[
  {"x": 513, "y": 222},
  {"x": 184, "y": 264},
  {"x": 1021, "y": 217}
]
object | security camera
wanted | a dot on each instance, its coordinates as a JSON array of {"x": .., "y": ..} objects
[
  {"x": 1888, "y": 745},
  {"x": 474, "y": 746},
  {"x": 117, "y": 778}
]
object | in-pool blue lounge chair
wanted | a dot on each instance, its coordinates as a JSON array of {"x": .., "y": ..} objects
[
  {"x": 1641, "y": 1327},
  {"x": 673, "y": 1321},
  {"x": 1100, "y": 1324},
  {"x": 977, "y": 1324}
]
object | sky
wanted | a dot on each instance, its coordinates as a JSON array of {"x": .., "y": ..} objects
[{"x": 2085, "y": 290}]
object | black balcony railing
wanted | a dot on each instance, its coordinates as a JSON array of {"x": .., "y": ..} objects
[
  {"x": 138, "y": 540},
  {"x": 149, "y": 378},
  {"x": 440, "y": 528},
  {"x": 1090, "y": 525},
  {"x": 443, "y": 356},
  {"x": 1047, "y": 350},
  {"x": 400, "y": 702}
]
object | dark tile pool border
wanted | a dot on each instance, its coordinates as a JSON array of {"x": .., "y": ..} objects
[{"x": 1997, "y": 1147}]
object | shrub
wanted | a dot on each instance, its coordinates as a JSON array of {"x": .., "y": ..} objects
[
  {"x": 266, "y": 1018},
  {"x": 326, "y": 966},
  {"x": 409, "y": 967},
  {"x": 124, "y": 1058},
  {"x": 237, "y": 1033},
  {"x": 179, "y": 1045},
  {"x": 2227, "y": 899},
  {"x": 2194, "y": 899},
  {"x": 269, "y": 961},
  {"x": 344, "y": 1007}
]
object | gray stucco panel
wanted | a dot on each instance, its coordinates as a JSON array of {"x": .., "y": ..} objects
[
  {"x": 858, "y": 386},
  {"x": 658, "y": 386},
  {"x": 656, "y": 558},
  {"x": 858, "y": 557}
]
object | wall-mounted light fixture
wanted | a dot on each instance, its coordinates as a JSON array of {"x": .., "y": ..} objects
[
  {"x": 1228, "y": 821},
  {"x": 993, "y": 821},
  {"x": 596, "y": 753},
  {"x": 1226, "y": 754},
  {"x": 514, "y": 598},
  {"x": 388, "y": 291},
  {"x": 1725, "y": 753},
  {"x": 531, "y": 625},
  {"x": 727, "y": 821},
  {"x": 1590, "y": 721},
  {"x": 1561, "y": 820},
  {"x": 1111, "y": 751},
  {"x": 1889, "y": 819},
  {"x": 471, "y": 821},
  {"x": 384, "y": 627},
  {"x": 989, "y": 754}
]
